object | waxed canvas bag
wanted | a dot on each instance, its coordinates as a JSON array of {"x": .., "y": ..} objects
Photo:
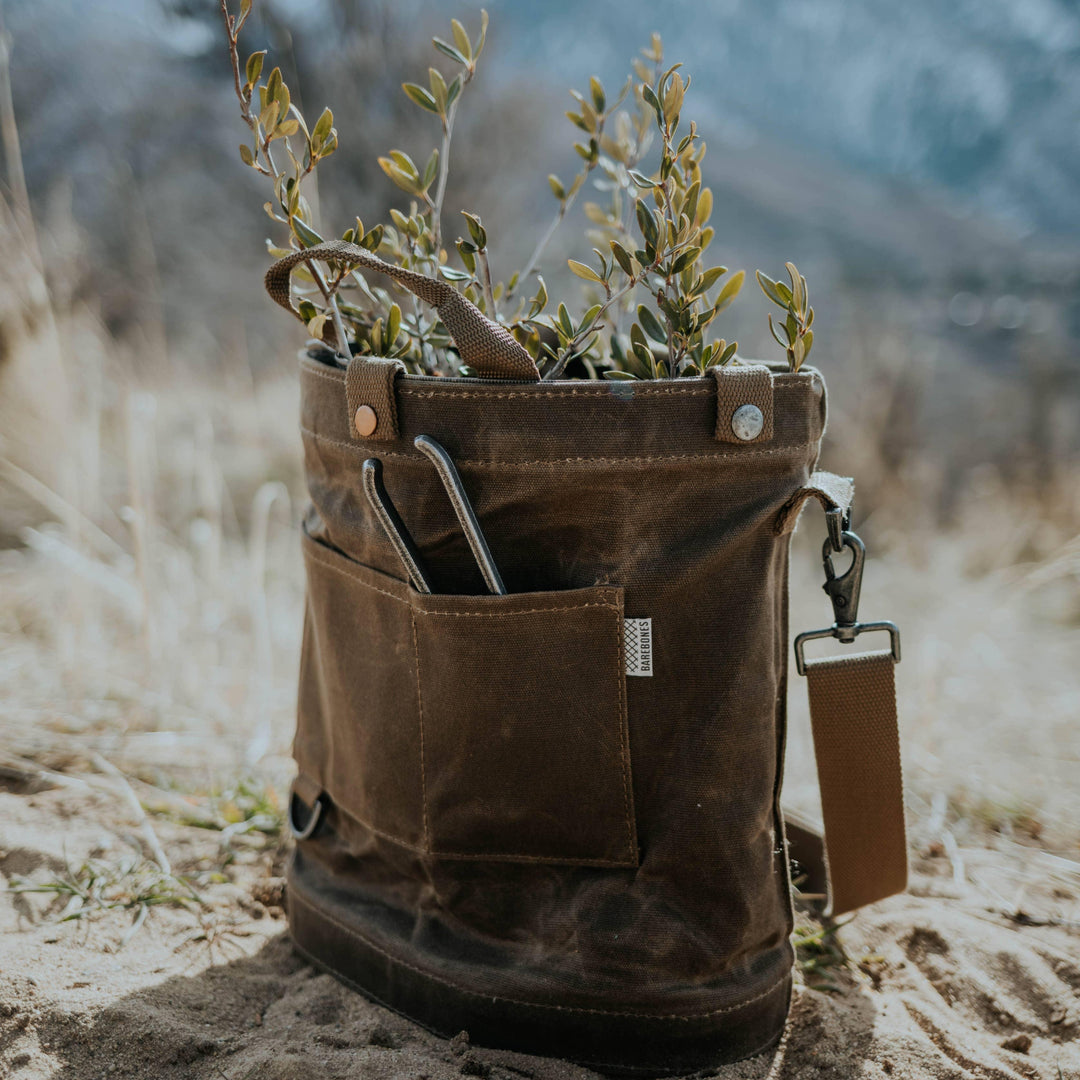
[{"x": 551, "y": 817}]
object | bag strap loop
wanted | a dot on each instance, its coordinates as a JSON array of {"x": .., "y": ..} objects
[
  {"x": 862, "y": 856},
  {"x": 484, "y": 345}
]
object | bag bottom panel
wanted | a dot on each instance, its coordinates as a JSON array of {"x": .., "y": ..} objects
[{"x": 338, "y": 939}]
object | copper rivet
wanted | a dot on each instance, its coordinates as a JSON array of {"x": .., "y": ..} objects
[{"x": 366, "y": 421}]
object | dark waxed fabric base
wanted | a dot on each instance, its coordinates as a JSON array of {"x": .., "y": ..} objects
[
  {"x": 360, "y": 943},
  {"x": 519, "y": 840}
]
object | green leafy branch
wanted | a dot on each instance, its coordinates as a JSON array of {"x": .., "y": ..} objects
[
  {"x": 671, "y": 212},
  {"x": 794, "y": 335},
  {"x": 648, "y": 269},
  {"x": 278, "y": 119}
]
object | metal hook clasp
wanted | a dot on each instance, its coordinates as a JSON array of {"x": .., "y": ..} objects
[{"x": 843, "y": 590}]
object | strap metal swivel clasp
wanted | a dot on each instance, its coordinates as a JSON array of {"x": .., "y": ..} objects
[{"x": 843, "y": 590}]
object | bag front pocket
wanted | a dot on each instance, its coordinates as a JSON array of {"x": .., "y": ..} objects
[{"x": 471, "y": 727}]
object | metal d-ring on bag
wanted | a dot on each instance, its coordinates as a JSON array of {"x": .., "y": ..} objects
[{"x": 541, "y": 717}]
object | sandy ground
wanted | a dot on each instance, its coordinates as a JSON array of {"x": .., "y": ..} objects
[{"x": 975, "y": 974}]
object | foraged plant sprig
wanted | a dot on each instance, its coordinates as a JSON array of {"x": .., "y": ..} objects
[
  {"x": 649, "y": 297},
  {"x": 671, "y": 212},
  {"x": 278, "y": 119},
  {"x": 794, "y": 336}
]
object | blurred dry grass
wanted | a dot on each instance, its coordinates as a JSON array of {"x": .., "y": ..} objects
[{"x": 152, "y": 616}]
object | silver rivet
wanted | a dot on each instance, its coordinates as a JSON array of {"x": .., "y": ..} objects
[{"x": 747, "y": 422}]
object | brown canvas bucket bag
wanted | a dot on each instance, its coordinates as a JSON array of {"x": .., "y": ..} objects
[{"x": 550, "y": 815}]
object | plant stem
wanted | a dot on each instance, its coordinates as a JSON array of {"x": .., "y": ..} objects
[
  {"x": 485, "y": 283},
  {"x": 444, "y": 161},
  {"x": 545, "y": 239}
]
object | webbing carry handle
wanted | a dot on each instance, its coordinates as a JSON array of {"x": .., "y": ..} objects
[{"x": 484, "y": 345}]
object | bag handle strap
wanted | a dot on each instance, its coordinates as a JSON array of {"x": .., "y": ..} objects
[
  {"x": 862, "y": 856},
  {"x": 484, "y": 345}
]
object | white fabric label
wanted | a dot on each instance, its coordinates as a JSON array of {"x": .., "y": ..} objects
[{"x": 638, "y": 642}]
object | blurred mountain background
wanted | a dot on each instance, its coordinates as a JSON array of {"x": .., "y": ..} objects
[{"x": 919, "y": 162}]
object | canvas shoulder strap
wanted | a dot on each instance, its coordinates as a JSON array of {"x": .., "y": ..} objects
[{"x": 861, "y": 854}]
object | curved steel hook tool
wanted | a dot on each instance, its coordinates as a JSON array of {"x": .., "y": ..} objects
[
  {"x": 455, "y": 491},
  {"x": 393, "y": 525}
]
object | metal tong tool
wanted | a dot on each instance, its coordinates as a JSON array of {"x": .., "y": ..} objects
[{"x": 399, "y": 536}]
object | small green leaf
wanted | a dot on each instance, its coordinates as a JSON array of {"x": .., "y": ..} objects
[
  {"x": 644, "y": 356},
  {"x": 483, "y": 34},
  {"x": 461, "y": 38},
  {"x": 597, "y": 91},
  {"x": 393, "y": 324},
  {"x": 622, "y": 257},
  {"x": 768, "y": 287},
  {"x": 449, "y": 50},
  {"x": 684, "y": 259},
  {"x": 556, "y": 187},
  {"x": 467, "y": 252},
  {"x": 651, "y": 325},
  {"x": 246, "y": 154},
  {"x": 254, "y": 66},
  {"x": 730, "y": 291},
  {"x": 451, "y": 274},
  {"x": 726, "y": 356},
  {"x": 620, "y": 376},
  {"x": 476, "y": 230},
  {"x": 798, "y": 353},
  {"x": 584, "y": 271},
  {"x": 419, "y": 96},
  {"x": 268, "y": 118},
  {"x": 321, "y": 131},
  {"x": 539, "y": 301},
  {"x": 372, "y": 238},
  {"x": 711, "y": 277},
  {"x": 438, "y": 88},
  {"x": 305, "y": 233},
  {"x": 647, "y": 223},
  {"x": 565, "y": 321},
  {"x": 654, "y": 101},
  {"x": 589, "y": 317},
  {"x": 430, "y": 169}
]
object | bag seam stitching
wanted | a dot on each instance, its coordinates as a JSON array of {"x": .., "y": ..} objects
[
  {"x": 350, "y": 982},
  {"x": 297, "y": 894},
  {"x": 490, "y": 462},
  {"x": 420, "y": 716},
  {"x": 619, "y": 727},
  {"x": 575, "y": 392},
  {"x": 452, "y": 614},
  {"x": 622, "y": 736}
]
